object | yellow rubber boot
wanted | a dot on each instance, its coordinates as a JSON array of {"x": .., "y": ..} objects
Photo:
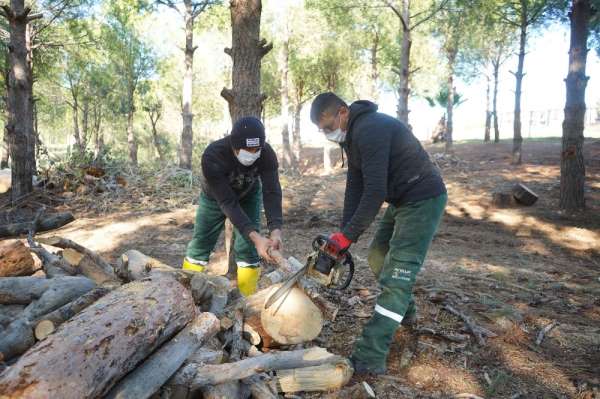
[
  {"x": 193, "y": 264},
  {"x": 247, "y": 279}
]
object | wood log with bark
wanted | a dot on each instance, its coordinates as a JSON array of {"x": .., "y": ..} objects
[
  {"x": 23, "y": 290},
  {"x": 19, "y": 335},
  {"x": 50, "y": 322},
  {"x": 86, "y": 265},
  {"x": 64, "y": 243},
  {"x": 218, "y": 374},
  {"x": 50, "y": 222},
  {"x": 15, "y": 259},
  {"x": 97, "y": 347},
  {"x": 134, "y": 265},
  {"x": 325, "y": 377},
  {"x": 147, "y": 378}
]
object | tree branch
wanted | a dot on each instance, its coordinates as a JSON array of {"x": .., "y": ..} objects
[
  {"x": 431, "y": 14},
  {"x": 398, "y": 14},
  {"x": 170, "y": 4},
  {"x": 227, "y": 94}
]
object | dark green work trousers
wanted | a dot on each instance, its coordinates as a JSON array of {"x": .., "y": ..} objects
[
  {"x": 396, "y": 255},
  {"x": 210, "y": 220}
]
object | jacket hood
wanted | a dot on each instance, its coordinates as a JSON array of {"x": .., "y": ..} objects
[{"x": 359, "y": 108}]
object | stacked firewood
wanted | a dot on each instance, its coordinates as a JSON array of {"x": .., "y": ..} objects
[{"x": 76, "y": 326}]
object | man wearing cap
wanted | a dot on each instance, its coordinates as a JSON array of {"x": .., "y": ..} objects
[
  {"x": 386, "y": 163},
  {"x": 236, "y": 170}
]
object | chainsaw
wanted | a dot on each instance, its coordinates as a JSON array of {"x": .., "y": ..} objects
[{"x": 323, "y": 267}]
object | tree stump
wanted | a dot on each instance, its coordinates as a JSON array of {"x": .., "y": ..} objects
[{"x": 523, "y": 195}]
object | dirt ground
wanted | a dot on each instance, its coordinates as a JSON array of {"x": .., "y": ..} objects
[{"x": 514, "y": 271}]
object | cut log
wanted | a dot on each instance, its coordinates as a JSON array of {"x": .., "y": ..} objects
[
  {"x": 48, "y": 223},
  {"x": 218, "y": 374},
  {"x": 311, "y": 288},
  {"x": 251, "y": 334},
  {"x": 326, "y": 377},
  {"x": 92, "y": 351},
  {"x": 88, "y": 267},
  {"x": 64, "y": 243},
  {"x": 24, "y": 290},
  {"x": 19, "y": 335},
  {"x": 52, "y": 320},
  {"x": 178, "y": 386},
  {"x": 15, "y": 259},
  {"x": 292, "y": 319},
  {"x": 134, "y": 265},
  {"x": 156, "y": 370},
  {"x": 524, "y": 195},
  {"x": 53, "y": 265}
]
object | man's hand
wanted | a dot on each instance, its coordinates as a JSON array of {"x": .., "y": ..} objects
[
  {"x": 262, "y": 245},
  {"x": 276, "y": 239},
  {"x": 340, "y": 241}
]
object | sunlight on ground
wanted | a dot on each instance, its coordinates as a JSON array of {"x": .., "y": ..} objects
[
  {"x": 112, "y": 234},
  {"x": 435, "y": 375}
]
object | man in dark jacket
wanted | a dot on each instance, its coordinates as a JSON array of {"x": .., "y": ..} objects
[
  {"x": 235, "y": 170},
  {"x": 386, "y": 163}
]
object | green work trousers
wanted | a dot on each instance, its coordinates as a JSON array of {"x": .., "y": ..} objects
[
  {"x": 210, "y": 220},
  {"x": 395, "y": 256}
]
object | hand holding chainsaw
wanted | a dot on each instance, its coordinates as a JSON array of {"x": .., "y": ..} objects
[{"x": 338, "y": 243}]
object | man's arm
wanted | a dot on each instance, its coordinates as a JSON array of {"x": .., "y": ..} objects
[
  {"x": 374, "y": 153},
  {"x": 352, "y": 195}
]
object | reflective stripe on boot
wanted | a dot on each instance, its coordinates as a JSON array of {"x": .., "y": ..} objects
[
  {"x": 247, "y": 278},
  {"x": 194, "y": 265}
]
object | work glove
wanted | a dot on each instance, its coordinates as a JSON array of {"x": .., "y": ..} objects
[{"x": 338, "y": 243}]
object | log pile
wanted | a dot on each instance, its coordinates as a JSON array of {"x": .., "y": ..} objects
[{"x": 80, "y": 327}]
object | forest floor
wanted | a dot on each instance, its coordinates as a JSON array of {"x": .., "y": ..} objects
[{"x": 515, "y": 271}]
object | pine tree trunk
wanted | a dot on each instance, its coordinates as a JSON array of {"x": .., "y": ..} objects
[
  {"x": 5, "y": 151},
  {"x": 156, "y": 138},
  {"x": 374, "y": 66},
  {"x": 403, "y": 87},
  {"x": 5, "y": 148},
  {"x": 450, "y": 105},
  {"x": 85, "y": 130},
  {"x": 20, "y": 103},
  {"x": 285, "y": 103},
  {"x": 495, "y": 100},
  {"x": 76, "y": 131},
  {"x": 187, "y": 135},
  {"x": 131, "y": 139},
  {"x": 247, "y": 50},
  {"x": 488, "y": 112},
  {"x": 517, "y": 137},
  {"x": 297, "y": 141},
  {"x": 572, "y": 166}
]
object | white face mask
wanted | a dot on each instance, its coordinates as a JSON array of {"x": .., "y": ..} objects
[
  {"x": 247, "y": 158},
  {"x": 337, "y": 136}
]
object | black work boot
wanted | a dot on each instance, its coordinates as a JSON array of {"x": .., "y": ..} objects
[{"x": 362, "y": 368}]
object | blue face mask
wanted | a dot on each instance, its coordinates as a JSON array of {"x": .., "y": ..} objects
[{"x": 247, "y": 158}]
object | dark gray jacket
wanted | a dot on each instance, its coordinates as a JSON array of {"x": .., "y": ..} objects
[{"x": 387, "y": 163}]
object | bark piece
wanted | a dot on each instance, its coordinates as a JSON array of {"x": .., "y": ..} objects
[
  {"x": 93, "y": 350},
  {"x": 218, "y": 374},
  {"x": 15, "y": 259},
  {"x": 524, "y": 195},
  {"x": 64, "y": 243},
  {"x": 325, "y": 377},
  {"x": 503, "y": 200},
  {"x": 48, "y": 223},
  {"x": 52, "y": 320},
  {"x": 156, "y": 370}
]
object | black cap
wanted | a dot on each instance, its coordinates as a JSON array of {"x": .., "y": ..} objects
[{"x": 247, "y": 132}]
